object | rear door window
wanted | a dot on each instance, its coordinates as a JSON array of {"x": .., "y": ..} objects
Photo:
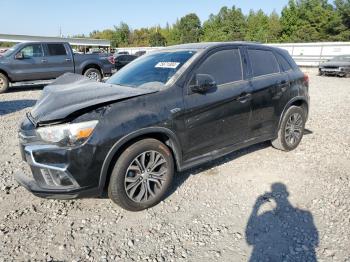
[
  {"x": 56, "y": 49},
  {"x": 263, "y": 62},
  {"x": 225, "y": 66}
]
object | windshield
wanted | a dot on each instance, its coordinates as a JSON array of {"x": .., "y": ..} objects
[
  {"x": 343, "y": 58},
  {"x": 9, "y": 51},
  {"x": 153, "y": 69}
]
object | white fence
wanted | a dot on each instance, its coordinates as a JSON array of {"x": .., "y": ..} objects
[
  {"x": 304, "y": 54},
  {"x": 312, "y": 54}
]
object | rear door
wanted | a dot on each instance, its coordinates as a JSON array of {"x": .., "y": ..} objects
[
  {"x": 58, "y": 59},
  {"x": 219, "y": 117},
  {"x": 32, "y": 66},
  {"x": 268, "y": 82}
]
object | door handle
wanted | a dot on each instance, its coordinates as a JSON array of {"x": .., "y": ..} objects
[
  {"x": 68, "y": 59},
  {"x": 43, "y": 60},
  {"x": 244, "y": 97}
]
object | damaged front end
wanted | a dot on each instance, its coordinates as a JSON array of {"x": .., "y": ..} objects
[{"x": 57, "y": 137}]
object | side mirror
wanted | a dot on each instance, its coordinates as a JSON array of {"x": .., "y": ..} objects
[
  {"x": 19, "y": 55},
  {"x": 203, "y": 83}
]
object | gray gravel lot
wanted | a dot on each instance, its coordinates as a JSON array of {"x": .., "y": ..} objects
[{"x": 213, "y": 213}]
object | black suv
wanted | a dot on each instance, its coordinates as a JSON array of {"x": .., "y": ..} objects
[{"x": 168, "y": 110}]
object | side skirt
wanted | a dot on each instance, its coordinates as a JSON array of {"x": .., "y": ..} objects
[{"x": 196, "y": 161}]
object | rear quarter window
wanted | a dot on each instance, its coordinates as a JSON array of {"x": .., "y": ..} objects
[{"x": 263, "y": 62}]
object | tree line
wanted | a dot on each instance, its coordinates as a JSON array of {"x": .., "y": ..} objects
[{"x": 299, "y": 21}]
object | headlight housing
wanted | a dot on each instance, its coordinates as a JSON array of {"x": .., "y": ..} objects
[{"x": 67, "y": 134}]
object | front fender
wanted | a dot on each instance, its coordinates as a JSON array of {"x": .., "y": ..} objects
[
  {"x": 5, "y": 69},
  {"x": 173, "y": 144}
]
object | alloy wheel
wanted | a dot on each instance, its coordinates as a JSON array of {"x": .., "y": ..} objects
[
  {"x": 145, "y": 176},
  {"x": 294, "y": 129},
  {"x": 93, "y": 76}
]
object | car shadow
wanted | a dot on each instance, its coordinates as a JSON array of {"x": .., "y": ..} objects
[
  {"x": 26, "y": 87},
  {"x": 8, "y": 107},
  {"x": 281, "y": 233},
  {"x": 307, "y": 132},
  {"x": 181, "y": 177}
]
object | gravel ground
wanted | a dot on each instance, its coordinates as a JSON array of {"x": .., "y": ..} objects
[{"x": 219, "y": 212}]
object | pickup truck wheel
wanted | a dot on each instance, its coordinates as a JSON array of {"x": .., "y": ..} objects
[
  {"x": 142, "y": 175},
  {"x": 93, "y": 74},
  {"x": 291, "y": 130},
  {"x": 4, "y": 83}
]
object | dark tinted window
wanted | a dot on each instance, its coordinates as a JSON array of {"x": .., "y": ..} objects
[
  {"x": 34, "y": 50},
  {"x": 263, "y": 62},
  {"x": 130, "y": 58},
  {"x": 121, "y": 58},
  {"x": 283, "y": 62},
  {"x": 56, "y": 49},
  {"x": 225, "y": 66}
]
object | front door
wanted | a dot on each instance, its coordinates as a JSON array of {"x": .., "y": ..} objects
[
  {"x": 219, "y": 117},
  {"x": 31, "y": 65}
]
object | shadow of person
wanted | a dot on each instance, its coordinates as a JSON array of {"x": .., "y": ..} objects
[{"x": 285, "y": 233}]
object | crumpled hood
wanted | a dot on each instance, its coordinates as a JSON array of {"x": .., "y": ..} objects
[
  {"x": 336, "y": 63},
  {"x": 71, "y": 92}
]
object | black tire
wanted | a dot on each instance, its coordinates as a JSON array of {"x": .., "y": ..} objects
[
  {"x": 284, "y": 140},
  {"x": 94, "y": 74},
  {"x": 118, "y": 190},
  {"x": 4, "y": 83}
]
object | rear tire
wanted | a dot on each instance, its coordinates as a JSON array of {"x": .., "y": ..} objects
[
  {"x": 4, "y": 83},
  {"x": 291, "y": 130},
  {"x": 142, "y": 175},
  {"x": 93, "y": 74}
]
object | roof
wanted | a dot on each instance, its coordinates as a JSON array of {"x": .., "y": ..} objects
[{"x": 205, "y": 45}]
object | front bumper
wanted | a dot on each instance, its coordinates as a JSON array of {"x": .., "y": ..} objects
[{"x": 57, "y": 172}]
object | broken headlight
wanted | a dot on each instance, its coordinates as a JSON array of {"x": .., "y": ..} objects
[{"x": 68, "y": 134}]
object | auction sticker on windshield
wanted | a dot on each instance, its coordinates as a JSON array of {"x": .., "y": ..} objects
[{"x": 172, "y": 65}]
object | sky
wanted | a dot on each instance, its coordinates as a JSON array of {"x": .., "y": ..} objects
[{"x": 46, "y": 17}]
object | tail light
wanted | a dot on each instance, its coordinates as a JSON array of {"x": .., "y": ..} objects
[
  {"x": 111, "y": 59},
  {"x": 306, "y": 79}
]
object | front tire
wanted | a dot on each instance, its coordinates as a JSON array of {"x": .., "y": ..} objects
[
  {"x": 4, "y": 83},
  {"x": 291, "y": 130},
  {"x": 142, "y": 175},
  {"x": 93, "y": 74}
]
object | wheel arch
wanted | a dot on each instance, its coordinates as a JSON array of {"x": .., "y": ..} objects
[
  {"x": 164, "y": 135},
  {"x": 296, "y": 101},
  {"x": 92, "y": 65},
  {"x": 2, "y": 71}
]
